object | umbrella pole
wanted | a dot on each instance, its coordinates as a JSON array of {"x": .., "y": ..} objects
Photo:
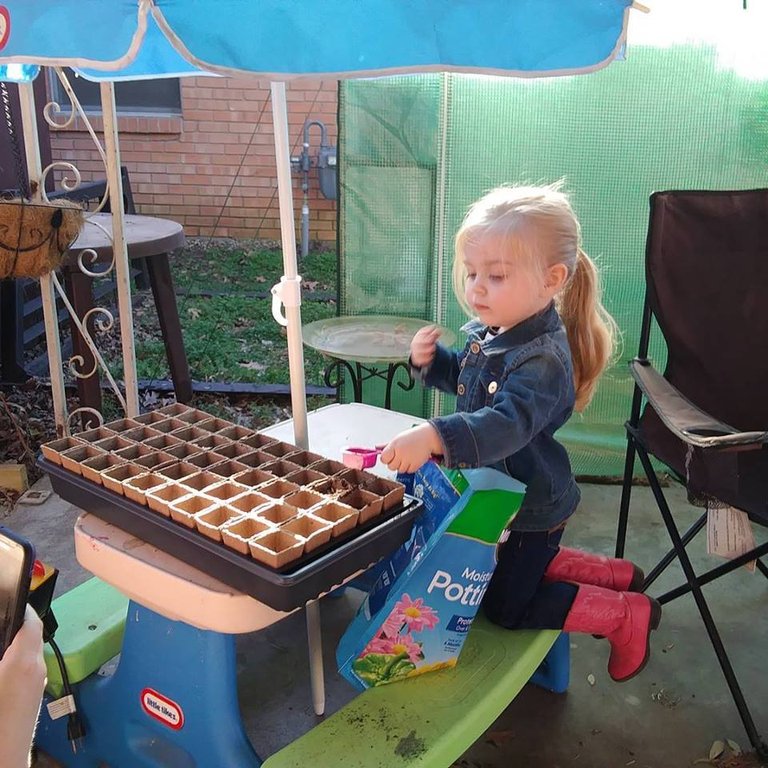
[
  {"x": 289, "y": 289},
  {"x": 289, "y": 294}
]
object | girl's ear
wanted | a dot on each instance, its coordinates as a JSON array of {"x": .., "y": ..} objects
[{"x": 556, "y": 278}]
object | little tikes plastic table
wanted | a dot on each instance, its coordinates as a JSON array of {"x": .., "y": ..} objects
[{"x": 172, "y": 700}]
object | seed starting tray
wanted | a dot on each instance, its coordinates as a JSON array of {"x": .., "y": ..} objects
[{"x": 284, "y": 589}]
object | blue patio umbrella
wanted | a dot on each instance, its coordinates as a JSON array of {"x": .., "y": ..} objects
[
  {"x": 113, "y": 40},
  {"x": 289, "y": 38}
]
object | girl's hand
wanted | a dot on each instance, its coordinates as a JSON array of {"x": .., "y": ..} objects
[
  {"x": 412, "y": 448},
  {"x": 423, "y": 345}
]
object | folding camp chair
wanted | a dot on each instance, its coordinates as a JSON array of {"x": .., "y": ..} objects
[{"x": 706, "y": 417}]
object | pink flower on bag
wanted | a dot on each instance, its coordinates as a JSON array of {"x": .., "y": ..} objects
[
  {"x": 416, "y": 615},
  {"x": 409, "y": 614},
  {"x": 395, "y": 646},
  {"x": 393, "y": 623}
]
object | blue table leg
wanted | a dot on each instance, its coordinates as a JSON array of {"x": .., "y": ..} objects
[
  {"x": 554, "y": 673},
  {"x": 171, "y": 702}
]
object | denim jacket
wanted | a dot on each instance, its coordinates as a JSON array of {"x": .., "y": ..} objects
[{"x": 513, "y": 391}]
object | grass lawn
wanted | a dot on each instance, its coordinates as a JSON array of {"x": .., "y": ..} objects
[{"x": 225, "y": 310}]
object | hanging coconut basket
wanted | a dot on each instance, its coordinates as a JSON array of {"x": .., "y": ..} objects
[{"x": 34, "y": 236}]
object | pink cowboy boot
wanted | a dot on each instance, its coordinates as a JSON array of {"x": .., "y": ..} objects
[
  {"x": 588, "y": 568},
  {"x": 625, "y": 618}
]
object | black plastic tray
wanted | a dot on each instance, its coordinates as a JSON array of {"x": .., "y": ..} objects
[{"x": 282, "y": 590}]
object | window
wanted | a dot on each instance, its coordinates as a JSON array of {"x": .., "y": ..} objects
[{"x": 161, "y": 96}]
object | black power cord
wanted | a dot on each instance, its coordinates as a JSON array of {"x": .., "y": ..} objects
[{"x": 75, "y": 727}]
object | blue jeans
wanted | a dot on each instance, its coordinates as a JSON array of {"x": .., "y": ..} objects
[{"x": 516, "y": 597}]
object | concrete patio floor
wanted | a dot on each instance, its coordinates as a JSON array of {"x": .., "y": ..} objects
[{"x": 667, "y": 717}]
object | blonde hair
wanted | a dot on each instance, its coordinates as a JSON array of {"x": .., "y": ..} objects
[{"x": 538, "y": 225}]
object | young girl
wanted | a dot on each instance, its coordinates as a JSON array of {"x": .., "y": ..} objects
[{"x": 539, "y": 341}]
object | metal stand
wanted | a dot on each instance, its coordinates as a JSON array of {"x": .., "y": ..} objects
[{"x": 358, "y": 373}]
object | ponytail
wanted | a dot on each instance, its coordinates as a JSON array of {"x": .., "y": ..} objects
[{"x": 591, "y": 330}]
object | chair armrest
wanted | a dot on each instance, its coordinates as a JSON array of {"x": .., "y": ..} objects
[{"x": 684, "y": 419}]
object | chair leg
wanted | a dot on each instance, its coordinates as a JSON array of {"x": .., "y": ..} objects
[
  {"x": 701, "y": 604},
  {"x": 716, "y": 573},
  {"x": 142, "y": 273},
  {"x": 671, "y": 556},
  {"x": 631, "y": 428},
  {"x": 168, "y": 314},
  {"x": 761, "y": 566},
  {"x": 626, "y": 492}
]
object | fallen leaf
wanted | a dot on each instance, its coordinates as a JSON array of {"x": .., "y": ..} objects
[
  {"x": 260, "y": 279},
  {"x": 194, "y": 312},
  {"x": 717, "y": 749},
  {"x": 734, "y": 746},
  {"x": 150, "y": 400},
  {"x": 253, "y": 366},
  {"x": 591, "y": 679}
]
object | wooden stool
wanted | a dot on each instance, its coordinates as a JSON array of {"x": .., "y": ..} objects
[{"x": 150, "y": 239}]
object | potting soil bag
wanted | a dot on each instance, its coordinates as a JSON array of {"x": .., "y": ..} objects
[{"x": 421, "y": 606}]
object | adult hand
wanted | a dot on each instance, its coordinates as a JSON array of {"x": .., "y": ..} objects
[
  {"x": 412, "y": 448},
  {"x": 423, "y": 345},
  {"x": 22, "y": 681}
]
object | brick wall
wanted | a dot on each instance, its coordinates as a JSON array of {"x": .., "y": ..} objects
[{"x": 213, "y": 167}]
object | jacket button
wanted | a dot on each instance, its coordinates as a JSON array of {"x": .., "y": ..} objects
[
  {"x": 492, "y": 387},
  {"x": 474, "y": 347},
  {"x": 460, "y": 389}
]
